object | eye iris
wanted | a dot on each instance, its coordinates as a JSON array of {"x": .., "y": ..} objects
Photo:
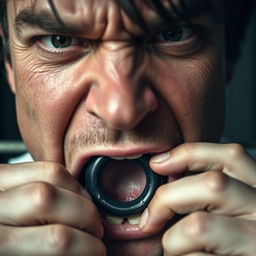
[
  {"x": 61, "y": 41},
  {"x": 173, "y": 35}
]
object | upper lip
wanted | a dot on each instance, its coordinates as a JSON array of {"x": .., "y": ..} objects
[{"x": 82, "y": 159}]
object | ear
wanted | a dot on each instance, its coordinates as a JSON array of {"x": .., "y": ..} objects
[{"x": 10, "y": 75}]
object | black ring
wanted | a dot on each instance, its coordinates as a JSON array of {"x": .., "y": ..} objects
[{"x": 115, "y": 207}]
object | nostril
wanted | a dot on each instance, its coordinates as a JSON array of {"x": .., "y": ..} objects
[
  {"x": 150, "y": 100},
  {"x": 125, "y": 113},
  {"x": 122, "y": 104}
]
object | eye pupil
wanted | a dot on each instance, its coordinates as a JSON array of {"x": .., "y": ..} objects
[
  {"x": 173, "y": 35},
  {"x": 61, "y": 41}
]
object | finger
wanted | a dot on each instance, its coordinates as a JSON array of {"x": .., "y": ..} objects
[
  {"x": 41, "y": 203},
  {"x": 209, "y": 233},
  {"x": 48, "y": 240},
  {"x": 211, "y": 191},
  {"x": 232, "y": 159},
  {"x": 20, "y": 174}
]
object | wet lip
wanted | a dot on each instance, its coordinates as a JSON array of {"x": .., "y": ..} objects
[
  {"x": 83, "y": 159},
  {"x": 132, "y": 232},
  {"x": 124, "y": 231}
]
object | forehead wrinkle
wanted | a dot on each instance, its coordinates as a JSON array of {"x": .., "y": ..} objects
[
  {"x": 105, "y": 13},
  {"x": 109, "y": 18},
  {"x": 83, "y": 15},
  {"x": 99, "y": 19},
  {"x": 83, "y": 18}
]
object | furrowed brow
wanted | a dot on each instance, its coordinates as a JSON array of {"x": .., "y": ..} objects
[
  {"x": 51, "y": 21},
  {"x": 45, "y": 20}
]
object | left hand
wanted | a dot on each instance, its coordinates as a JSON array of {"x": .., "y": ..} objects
[{"x": 220, "y": 201}]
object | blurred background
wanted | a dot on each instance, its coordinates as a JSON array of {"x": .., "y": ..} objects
[{"x": 241, "y": 104}]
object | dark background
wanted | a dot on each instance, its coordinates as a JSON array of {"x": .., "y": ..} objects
[
  {"x": 241, "y": 93},
  {"x": 8, "y": 124},
  {"x": 241, "y": 103}
]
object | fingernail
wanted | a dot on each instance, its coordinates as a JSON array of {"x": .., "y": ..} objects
[
  {"x": 160, "y": 158},
  {"x": 144, "y": 219}
]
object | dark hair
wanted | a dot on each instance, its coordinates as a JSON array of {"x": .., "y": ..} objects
[{"x": 237, "y": 15}]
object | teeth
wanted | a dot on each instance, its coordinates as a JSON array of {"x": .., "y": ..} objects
[
  {"x": 126, "y": 157},
  {"x": 133, "y": 157},
  {"x": 134, "y": 219},
  {"x": 114, "y": 220},
  {"x": 118, "y": 158}
]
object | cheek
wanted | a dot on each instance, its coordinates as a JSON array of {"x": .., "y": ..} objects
[
  {"x": 44, "y": 105},
  {"x": 194, "y": 90}
]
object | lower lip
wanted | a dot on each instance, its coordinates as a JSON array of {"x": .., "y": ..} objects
[{"x": 124, "y": 231}]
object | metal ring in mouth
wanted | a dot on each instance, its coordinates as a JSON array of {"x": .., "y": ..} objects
[{"x": 115, "y": 207}]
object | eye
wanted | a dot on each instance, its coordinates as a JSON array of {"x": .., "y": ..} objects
[
  {"x": 62, "y": 48},
  {"x": 176, "y": 34},
  {"x": 178, "y": 41},
  {"x": 59, "y": 42}
]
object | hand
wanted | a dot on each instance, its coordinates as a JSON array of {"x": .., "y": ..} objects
[
  {"x": 220, "y": 201},
  {"x": 45, "y": 211}
]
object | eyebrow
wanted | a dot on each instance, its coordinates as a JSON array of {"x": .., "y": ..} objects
[
  {"x": 52, "y": 22},
  {"x": 42, "y": 19}
]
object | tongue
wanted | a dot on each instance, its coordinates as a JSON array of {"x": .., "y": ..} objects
[{"x": 123, "y": 180}]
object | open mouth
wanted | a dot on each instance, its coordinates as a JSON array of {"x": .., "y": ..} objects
[{"x": 122, "y": 180}]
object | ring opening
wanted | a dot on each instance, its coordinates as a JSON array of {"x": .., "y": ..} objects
[{"x": 123, "y": 180}]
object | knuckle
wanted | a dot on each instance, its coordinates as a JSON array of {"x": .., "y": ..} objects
[
  {"x": 62, "y": 240},
  {"x": 215, "y": 181},
  {"x": 57, "y": 174},
  {"x": 59, "y": 239},
  {"x": 197, "y": 225},
  {"x": 41, "y": 195},
  {"x": 235, "y": 150},
  {"x": 161, "y": 192},
  {"x": 54, "y": 171},
  {"x": 189, "y": 147}
]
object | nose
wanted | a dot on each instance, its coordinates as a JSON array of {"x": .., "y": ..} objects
[{"x": 120, "y": 93}]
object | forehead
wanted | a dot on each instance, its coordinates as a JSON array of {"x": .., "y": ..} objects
[
  {"x": 78, "y": 6},
  {"x": 109, "y": 15}
]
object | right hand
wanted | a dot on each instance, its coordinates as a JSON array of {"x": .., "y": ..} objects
[{"x": 45, "y": 211}]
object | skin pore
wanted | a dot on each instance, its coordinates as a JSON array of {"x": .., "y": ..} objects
[{"x": 100, "y": 84}]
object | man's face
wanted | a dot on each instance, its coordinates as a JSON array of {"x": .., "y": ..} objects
[{"x": 101, "y": 86}]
